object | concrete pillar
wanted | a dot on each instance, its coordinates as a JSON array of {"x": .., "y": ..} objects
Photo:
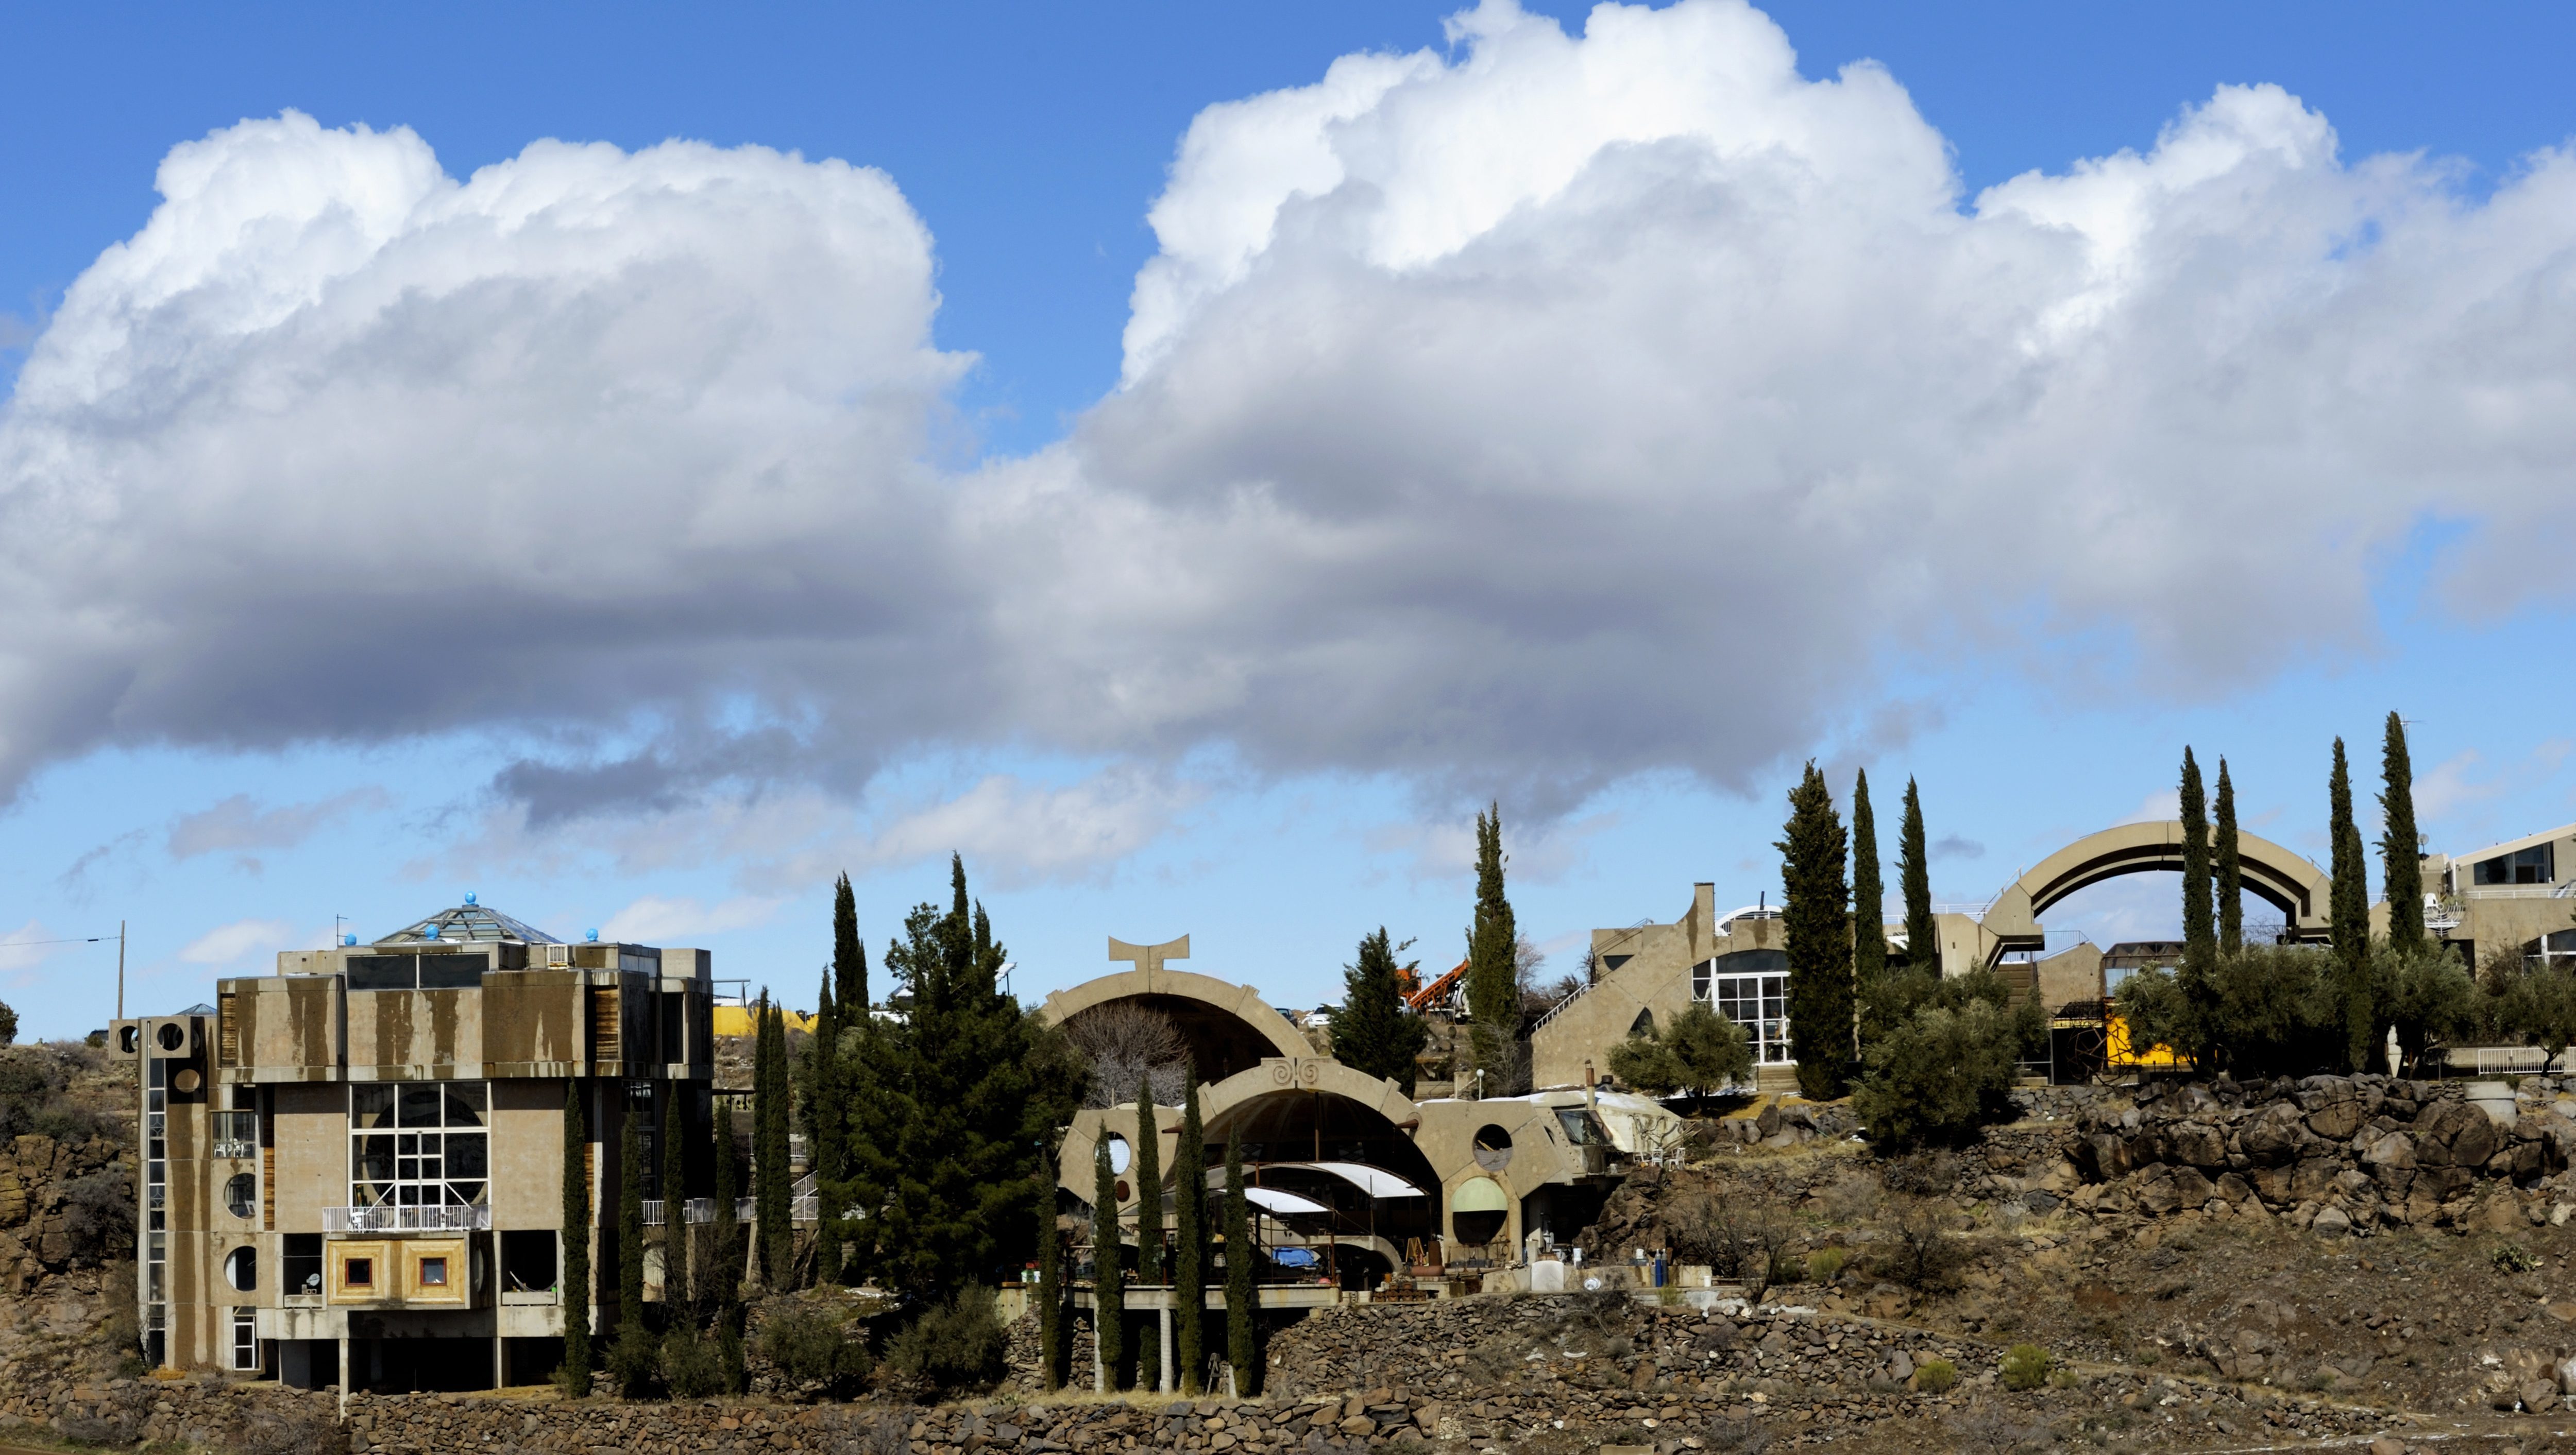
[
  {"x": 1165, "y": 1383},
  {"x": 500, "y": 1369},
  {"x": 344, "y": 1377},
  {"x": 1099, "y": 1371}
]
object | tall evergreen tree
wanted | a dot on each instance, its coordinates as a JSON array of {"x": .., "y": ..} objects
[
  {"x": 1869, "y": 895},
  {"x": 2348, "y": 918},
  {"x": 1493, "y": 966},
  {"x": 576, "y": 1243},
  {"x": 1149, "y": 1233},
  {"x": 1914, "y": 879},
  {"x": 773, "y": 1189},
  {"x": 1242, "y": 1347},
  {"x": 1108, "y": 1284},
  {"x": 955, "y": 1101},
  {"x": 725, "y": 1253},
  {"x": 632, "y": 1357},
  {"x": 1815, "y": 916},
  {"x": 1051, "y": 1302},
  {"x": 849, "y": 953},
  {"x": 2401, "y": 851},
  {"x": 1373, "y": 1031},
  {"x": 1190, "y": 1234},
  {"x": 675, "y": 1192},
  {"x": 826, "y": 1131},
  {"x": 2198, "y": 976},
  {"x": 2229, "y": 865}
]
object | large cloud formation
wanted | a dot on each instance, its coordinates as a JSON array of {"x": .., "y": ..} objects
[{"x": 1528, "y": 414}]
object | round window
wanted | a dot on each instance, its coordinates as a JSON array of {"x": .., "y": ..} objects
[
  {"x": 241, "y": 1269},
  {"x": 241, "y": 1195},
  {"x": 1119, "y": 1153},
  {"x": 1493, "y": 1147},
  {"x": 130, "y": 1039},
  {"x": 1478, "y": 1210},
  {"x": 172, "y": 1035}
]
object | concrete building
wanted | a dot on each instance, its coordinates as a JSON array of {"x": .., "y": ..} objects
[
  {"x": 356, "y": 1164},
  {"x": 1348, "y": 1168},
  {"x": 2519, "y": 894}
]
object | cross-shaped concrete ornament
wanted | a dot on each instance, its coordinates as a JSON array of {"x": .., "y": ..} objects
[{"x": 1149, "y": 958}]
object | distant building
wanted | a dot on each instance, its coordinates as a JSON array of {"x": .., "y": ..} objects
[{"x": 356, "y": 1165}]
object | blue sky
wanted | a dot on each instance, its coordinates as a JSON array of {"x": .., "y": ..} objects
[{"x": 1369, "y": 586}]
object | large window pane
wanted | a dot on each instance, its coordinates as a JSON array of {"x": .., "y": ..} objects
[
  {"x": 465, "y": 1101},
  {"x": 420, "y": 1106},
  {"x": 371, "y": 1106}
]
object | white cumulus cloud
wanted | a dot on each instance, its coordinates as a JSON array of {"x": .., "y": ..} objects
[
  {"x": 240, "y": 940},
  {"x": 654, "y": 919}
]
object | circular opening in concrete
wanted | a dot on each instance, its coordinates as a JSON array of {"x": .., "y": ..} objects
[
  {"x": 241, "y": 1269},
  {"x": 1478, "y": 1211},
  {"x": 241, "y": 1195},
  {"x": 1493, "y": 1147},
  {"x": 172, "y": 1035},
  {"x": 1120, "y": 1155}
]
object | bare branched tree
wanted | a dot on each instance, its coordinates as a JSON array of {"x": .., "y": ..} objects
[{"x": 1126, "y": 1045}]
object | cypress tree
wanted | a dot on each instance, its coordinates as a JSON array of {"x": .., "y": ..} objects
[
  {"x": 1869, "y": 895},
  {"x": 826, "y": 1128},
  {"x": 1190, "y": 1232},
  {"x": 772, "y": 1187},
  {"x": 849, "y": 953},
  {"x": 1051, "y": 1348},
  {"x": 1493, "y": 971},
  {"x": 725, "y": 1253},
  {"x": 1242, "y": 1349},
  {"x": 2400, "y": 850},
  {"x": 1914, "y": 879},
  {"x": 2198, "y": 977},
  {"x": 1149, "y": 1233},
  {"x": 2230, "y": 868},
  {"x": 576, "y": 1244},
  {"x": 632, "y": 1357},
  {"x": 2348, "y": 918},
  {"x": 1372, "y": 1029},
  {"x": 675, "y": 1217},
  {"x": 1816, "y": 926},
  {"x": 951, "y": 1108},
  {"x": 1108, "y": 1285}
]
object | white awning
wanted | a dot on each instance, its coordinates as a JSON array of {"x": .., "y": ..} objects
[
  {"x": 1280, "y": 1200},
  {"x": 1377, "y": 1182}
]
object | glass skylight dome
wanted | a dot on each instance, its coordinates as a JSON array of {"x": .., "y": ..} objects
[{"x": 468, "y": 922}]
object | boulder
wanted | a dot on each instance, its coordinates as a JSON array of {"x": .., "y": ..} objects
[
  {"x": 2336, "y": 1121},
  {"x": 2197, "y": 1145},
  {"x": 2332, "y": 1221}
]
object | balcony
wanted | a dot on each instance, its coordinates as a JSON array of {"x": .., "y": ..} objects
[{"x": 406, "y": 1219}]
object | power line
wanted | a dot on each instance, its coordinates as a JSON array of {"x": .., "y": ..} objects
[{"x": 76, "y": 940}]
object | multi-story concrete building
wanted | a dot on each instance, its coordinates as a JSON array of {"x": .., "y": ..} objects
[{"x": 357, "y": 1164}]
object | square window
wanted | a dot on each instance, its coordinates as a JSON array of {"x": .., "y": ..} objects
[
  {"x": 433, "y": 1273},
  {"x": 359, "y": 1273}
]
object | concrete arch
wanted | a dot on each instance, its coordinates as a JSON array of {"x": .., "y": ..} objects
[
  {"x": 1230, "y": 1028},
  {"x": 2287, "y": 881}
]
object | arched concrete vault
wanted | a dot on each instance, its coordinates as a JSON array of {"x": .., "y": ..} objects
[
  {"x": 2285, "y": 880},
  {"x": 1230, "y": 1028}
]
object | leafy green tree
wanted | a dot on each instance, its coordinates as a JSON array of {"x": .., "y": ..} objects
[
  {"x": 1816, "y": 928},
  {"x": 2348, "y": 919},
  {"x": 1242, "y": 1344},
  {"x": 2527, "y": 1002},
  {"x": 1373, "y": 1031},
  {"x": 2199, "y": 935},
  {"x": 1698, "y": 1051},
  {"x": 1149, "y": 1233},
  {"x": 2267, "y": 1010},
  {"x": 1493, "y": 967},
  {"x": 576, "y": 1244},
  {"x": 1869, "y": 895},
  {"x": 1053, "y": 1348},
  {"x": 1914, "y": 880},
  {"x": 2426, "y": 996},
  {"x": 2401, "y": 852},
  {"x": 8, "y": 1026},
  {"x": 1190, "y": 1234},
  {"x": 675, "y": 1191},
  {"x": 953, "y": 1104},
  {"x": 1108, "y": 1283},
  {"x": 849, "y": 954},
  {"x": 1948, "y": 1066},
  {"x": 772, "y": 1188},
  {"x": 2228, "y": 863}
]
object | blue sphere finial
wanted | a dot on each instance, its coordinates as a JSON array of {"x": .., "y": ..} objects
[
  {"x": 433, "y": 932},
  {"x": 469, "y": 896},
  {"x": 348, "y": 939},
  {"x": 593, "y": 937}
]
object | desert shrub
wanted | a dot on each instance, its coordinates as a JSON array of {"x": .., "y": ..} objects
[
  {"x": 954, "y": 1346},
  {"x": 2511, "y": 1258},
  {"x": 1737, "y": 1437},
  {"x": 1742, "y": 1238},
  {"x": 1922, "y": 1253},
  {"x": 1933, "y": 1376},
  {"x": 1697, "y": 1050},
  {"x": 872, "y": 1433},
  {"x": 8, "y": 1025},
  {"x": 811, "y": 1352},
  {"x": 2026, "y": 1366},
  {"x": 116, "y": 1419},
  {"x": 634, "y": 1361},
  {"x": 277, "y": 1427},
  {"x": 1947, "y": 1067},
  {"x": 1826, "y": 1264},
  {"x": 693, "y": 1365},
  {"x": 98, "y": 1212}
]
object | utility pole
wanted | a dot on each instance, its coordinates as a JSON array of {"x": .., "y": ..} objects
[{"x": 120, "y": 969}]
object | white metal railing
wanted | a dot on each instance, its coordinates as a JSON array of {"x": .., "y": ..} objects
[
  {"x": 2523, "y": 891},
  {"x": 701, "y": 1210},
  {"x": 406, "y": 1219}
]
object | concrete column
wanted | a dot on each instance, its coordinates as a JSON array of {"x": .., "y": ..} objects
[
  {"x": 1099, "y": 1371},
  {"x": 344, "y": 1377},
  {"x": 1165, "y": 1382},
  {"x": 500, "y": 1370}
]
